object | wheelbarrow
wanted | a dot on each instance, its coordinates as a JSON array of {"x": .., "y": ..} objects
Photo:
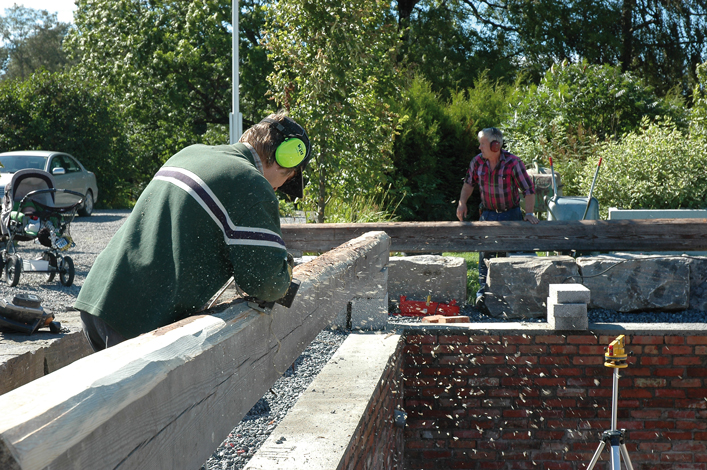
[{"x": 572, "y": 208}]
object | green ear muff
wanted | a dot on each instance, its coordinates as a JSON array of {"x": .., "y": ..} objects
[{"x": 290, "y": 153}]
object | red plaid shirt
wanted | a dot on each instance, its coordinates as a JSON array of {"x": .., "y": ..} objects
[{"x": 500, "y": 187}]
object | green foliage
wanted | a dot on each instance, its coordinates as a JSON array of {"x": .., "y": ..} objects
[
  {"x": 437, "y": 140},
  {"x": 168, "y": 65},
  {"x": 334, "y": 71},
  {"x": 63, "y": 113},
  {"x": 655, "y": 167},
  {"x": 574, "y": 109},
  {"x": 361, "y": 208},
  {"x": 29, "y": 40}
]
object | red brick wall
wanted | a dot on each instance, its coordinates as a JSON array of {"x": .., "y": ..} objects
[
  {"x": 524, "y": 401},
  {"x": 377, "y": 443}
]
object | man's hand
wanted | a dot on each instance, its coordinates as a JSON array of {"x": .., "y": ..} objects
[
  {"x": 530, "y": 217},
  {"x": 461, "y": 211}
]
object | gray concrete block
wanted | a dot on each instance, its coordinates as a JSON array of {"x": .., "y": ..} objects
[
  {"x": 567, "y": 316},
  {"x": 569, "y": 293},
  {"x": 416, "y": 277},
  {"x": 373, "y": 287},
  {"x": 342, "y": 321},
  {"x": 369, "y": 314}
]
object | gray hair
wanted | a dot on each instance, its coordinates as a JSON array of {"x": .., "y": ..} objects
[{"x": 493, "y": 134}]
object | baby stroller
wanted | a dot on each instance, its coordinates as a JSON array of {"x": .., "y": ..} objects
[{"x": 28, "y": 213}]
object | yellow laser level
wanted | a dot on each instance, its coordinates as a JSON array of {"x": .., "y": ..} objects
[{"x": 615, "y": 355}]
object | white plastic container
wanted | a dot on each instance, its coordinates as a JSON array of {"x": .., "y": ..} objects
[{"x": 35, "y": 265}]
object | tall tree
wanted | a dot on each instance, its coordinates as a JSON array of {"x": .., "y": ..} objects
[
  {"x": 662, "y": 40},
  {"x": 31, "y": 39},
  {"x": 169, "y": 65},
  {"x": 334, "y": 70}
]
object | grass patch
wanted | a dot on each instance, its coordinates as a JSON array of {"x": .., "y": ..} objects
[{"x": 472, "y": 273}]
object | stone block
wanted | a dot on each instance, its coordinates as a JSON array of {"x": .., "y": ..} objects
[
  {"x": 442, "y": 277},
  {"x": 369, "y": 314},
  {"x": 518, "y": 286},
  {"x": 567, "y": 316},
  {"x": 569, "y": 293},
  {"x": 698, "y": 282},
  {"x": 636, "y": 283}
]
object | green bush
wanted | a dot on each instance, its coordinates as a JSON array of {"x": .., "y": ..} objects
[
  {"x": 656, "y": 167},
  {"x": 436, "y": 143},
  {"x": 574, "y": 109},
  {"x": 63, "y": 113}
]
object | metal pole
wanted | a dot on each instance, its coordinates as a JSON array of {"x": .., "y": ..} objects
[
  {"x": 235, "y": 119},
  {"x": 615, "y": 400}
]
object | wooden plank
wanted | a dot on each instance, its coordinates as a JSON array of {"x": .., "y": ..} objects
[
  {"x": 168, "y": 398},
  {"x": 587, "y": 235}
]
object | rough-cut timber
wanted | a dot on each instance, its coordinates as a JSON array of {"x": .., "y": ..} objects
[
  {"x": 166, "y": 399},
  {"x": 585, "y": 235}
]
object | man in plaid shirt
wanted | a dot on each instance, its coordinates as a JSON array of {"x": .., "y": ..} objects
[{"x": 500, "y": 176}]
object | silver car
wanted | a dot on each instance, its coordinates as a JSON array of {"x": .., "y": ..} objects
[{"x": 68, "y": 173}]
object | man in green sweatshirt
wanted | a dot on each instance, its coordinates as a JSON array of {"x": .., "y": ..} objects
[{"x": 208, "y": 214}]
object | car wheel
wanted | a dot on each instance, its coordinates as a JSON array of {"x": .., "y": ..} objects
[
  {"x": 47, "y": 256},
  {"x": 13, "y": 268},
  {"x": 66, "y": 271},
  {"x": 87, "y": 206}
]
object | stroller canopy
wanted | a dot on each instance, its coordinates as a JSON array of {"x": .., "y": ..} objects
[{"x": 24, "y": 182}]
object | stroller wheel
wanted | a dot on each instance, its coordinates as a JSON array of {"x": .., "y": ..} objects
[
  {"x": 47, "y": 256},
  {"x": 66, "y": 271},
  {"x": 13, "y": 268}
]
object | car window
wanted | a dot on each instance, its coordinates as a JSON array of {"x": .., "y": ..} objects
[
  {"x": 65, "y": 162},
  {"x": 70, "y": 164},
  {"x": 13, "y": 163}
]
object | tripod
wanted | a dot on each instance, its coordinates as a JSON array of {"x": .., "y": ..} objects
[{"x": 616, "y": 359}]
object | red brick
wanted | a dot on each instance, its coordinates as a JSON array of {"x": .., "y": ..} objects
[
  {"x": 669, "y": 393},
  {"x": 676, "y": 457},
  {"x": 647, "y": 340},
  {"x": 563, "y": 349},
  {"x": 421, "y": 339},
  {"x": 640, "y": 382},
  {"x": 686, "y": 383},
  {"x": 677, "y": 350},
  {"x": 696, "y": 372},
  {"x": 588, "y": 360},
  {"x": 484, "y": 339},
  {"x": 688, "y": 361},
  {"x": 522, "y": 360},
  {"x": 669, "y": 372},
  {"x": 485, "y": 360},
  {"x": 567, "y": 371},
  {"x": 501, "y": 349},
  {"x": 554, "y": 360},
  {"x": 592, "y": 350},
  {"x": 553, "y": 339},
  {"x": 583, "y": 339},
  {"x": 697, "y": 340},
  {"x": 655, "y": 361},
  {"x": 453, "y": 339},
  {"x": 536, "y": 349},
  {"x": 520, "y": 339}
]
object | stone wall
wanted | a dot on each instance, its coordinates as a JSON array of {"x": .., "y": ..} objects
[
  {"x": 523, "y": 398},
  {"x": 624, "y": 282}
]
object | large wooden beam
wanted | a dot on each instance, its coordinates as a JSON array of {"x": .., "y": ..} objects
[
  {"x": 588, "y": 235},
  {"x": 167, "y": 399}
]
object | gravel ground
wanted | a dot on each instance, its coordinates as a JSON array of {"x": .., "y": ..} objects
[{"x": 91, "y": 234}]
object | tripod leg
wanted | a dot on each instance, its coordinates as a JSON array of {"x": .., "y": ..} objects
[
  {"x": 627, "y": 459},
  {"x": 596, "y": 456},
  {"x": 615, "y": 458}
]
